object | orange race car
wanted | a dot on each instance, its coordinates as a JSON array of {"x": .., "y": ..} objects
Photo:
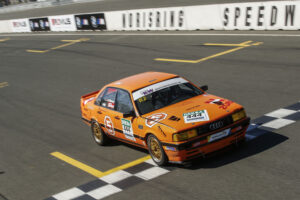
[{"x": 166, "y": 114}]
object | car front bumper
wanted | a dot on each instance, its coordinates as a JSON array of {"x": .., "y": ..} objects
[{"x": 200, "y": 146}]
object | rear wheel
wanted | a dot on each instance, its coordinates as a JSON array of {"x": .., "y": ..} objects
[
  {"x": 156, "y": 151},
  {"x": 98, "y": 134}
]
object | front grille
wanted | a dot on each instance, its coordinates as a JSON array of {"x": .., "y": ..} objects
[{"x": 215, "y": 125}]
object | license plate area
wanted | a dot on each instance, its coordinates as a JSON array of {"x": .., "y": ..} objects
[{"x": 218, "y": 135}]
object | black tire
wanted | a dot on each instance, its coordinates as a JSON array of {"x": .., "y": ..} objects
[
  {"x": 98, "y": 134},
  {"x": 156, "y": 151}
]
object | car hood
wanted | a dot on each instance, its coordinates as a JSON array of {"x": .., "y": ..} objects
[{"x": 192, "y": 112}]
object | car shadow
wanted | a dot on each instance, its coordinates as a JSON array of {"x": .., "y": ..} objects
[
  {"x": 225, "y": 156},
  {"x": 232, "y": 154}
]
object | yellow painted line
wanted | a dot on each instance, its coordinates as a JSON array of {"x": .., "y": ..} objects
[
  {"x": 219, "y": 54},
  {"x": 4, "y": 84},
  {"x": 175, "y": 60},
  {"x": 127, "y": 165},
  {"x": 226, "y": 45},
  {"x": 240, "y": 46},
  {"x": 63, "y": 45},
  {"x": 257, "y": 43},
  {"x": 246, "y": 42},
  {"x": 77, "y": 164},
  {"x": 79, "y": 40},
  {"x": 70, "y": 42},
  {"x": 37, "y": 51},
  {"x": 95, "y": 172},
  {"x": 4, "y": 39}
]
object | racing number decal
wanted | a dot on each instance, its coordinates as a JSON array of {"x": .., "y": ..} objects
[
  {"x": 109, "y": 125},
  {"x": 196, "y": 116},
  {"x": 153, "y": 119},
  {"x": 127, "y": 129}
]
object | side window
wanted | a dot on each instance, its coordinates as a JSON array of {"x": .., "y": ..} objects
[
  {"x": 109, "y": 98},
  {"x": 98, "y": 100},
  {"x": 124, "y": 104}
]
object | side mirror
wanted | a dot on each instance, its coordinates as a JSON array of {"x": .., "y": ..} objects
[
  {"x": 129, "y": 114},
  {"x": 204, "y": 87}
]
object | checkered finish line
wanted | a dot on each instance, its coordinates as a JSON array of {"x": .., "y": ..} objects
[
  {"x": 274, "y": 120},
  {"x": 113, "y": 183},
  {"x": 123, "y": 179}
]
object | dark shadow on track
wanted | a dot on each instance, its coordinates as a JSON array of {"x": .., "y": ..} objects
[{"x": 233, "y": 154}]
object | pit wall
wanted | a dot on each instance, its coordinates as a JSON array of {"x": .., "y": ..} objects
[{"x": 271, "y": 15}]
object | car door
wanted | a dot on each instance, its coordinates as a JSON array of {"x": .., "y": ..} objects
[
  {"x": 105, "y": 113},
  {"x": 127, "y": 124}
]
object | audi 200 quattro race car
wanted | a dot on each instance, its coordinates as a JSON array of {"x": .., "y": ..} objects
[{"x": 166, "y": 114}]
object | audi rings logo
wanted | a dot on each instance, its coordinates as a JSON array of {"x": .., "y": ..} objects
[{"x": 216, "y": 125}]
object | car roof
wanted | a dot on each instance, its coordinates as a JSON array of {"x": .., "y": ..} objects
[{"x": 141, "y": 80}]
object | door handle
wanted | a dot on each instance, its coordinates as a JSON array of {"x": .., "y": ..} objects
[
  {"x": 117, "y": 117},
  {"x": 99, "y": 111}
]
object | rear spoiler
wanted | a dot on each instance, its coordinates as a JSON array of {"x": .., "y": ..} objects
[{"x": 90, "y": 94}]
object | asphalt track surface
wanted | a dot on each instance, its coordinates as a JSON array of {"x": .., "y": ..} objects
[
  {"x": 40, "y": 113},
  {"x": 111, "y": 5}
]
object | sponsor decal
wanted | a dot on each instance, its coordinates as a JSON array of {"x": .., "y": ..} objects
[
  {"x": 170, "y": 148},
  {"x": 218, "y": 135},
  {"x": 39, "y": 24},
  {"x": 109, "y": 126},
  {"x": 127, "y": 129},
  {"x": 155, "y": 118},
  {"x": 91, "y": 21},
  {"x": 153, "y": 19},
  {"x": 146, "y": 92},
  {"x": 61, "y": 21},
  {"x": 196, "y": 116},
  {"x": 222, "y": 103},
  {"x": 156, "y": 87},
  {"x": 111, "y": 105},
  {"x": 20, "y": 25}
]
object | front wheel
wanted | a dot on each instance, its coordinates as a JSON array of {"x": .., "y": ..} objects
[
  {"x": 156, "y": 151},
  {"x": 98, "y": 134}
]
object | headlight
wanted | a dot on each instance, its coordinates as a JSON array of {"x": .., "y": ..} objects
[
  {"x": 238, "y": 115},
  {"x": 184, "y": 135}
]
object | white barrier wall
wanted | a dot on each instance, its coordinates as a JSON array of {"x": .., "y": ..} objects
[
  {"x": 5, "y": 26},
  {"x": 147, "y": 19},
  {"x": 261, "y": 16},
  {"x": 20, "y": 25},
  {"x": 203, "y": 17},
  {"x": 62, "y": 23},
  {"x": 270, "y": 15}
]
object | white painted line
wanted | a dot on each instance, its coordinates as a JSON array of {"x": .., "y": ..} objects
[
  {"x": 151, "y": 173},
  {"x": 154, "y": 34},
  {"x": 151, "y": 162},
  {"x": 69, "y": 194},
  {"x": 280, "y": 113},
  {"x": 116, "y": 176},
  {"x": 278, "y": 123},
  {"x": 104, "y": 191}
]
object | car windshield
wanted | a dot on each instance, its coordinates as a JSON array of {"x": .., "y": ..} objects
[{"x": 163, "y": 94}]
